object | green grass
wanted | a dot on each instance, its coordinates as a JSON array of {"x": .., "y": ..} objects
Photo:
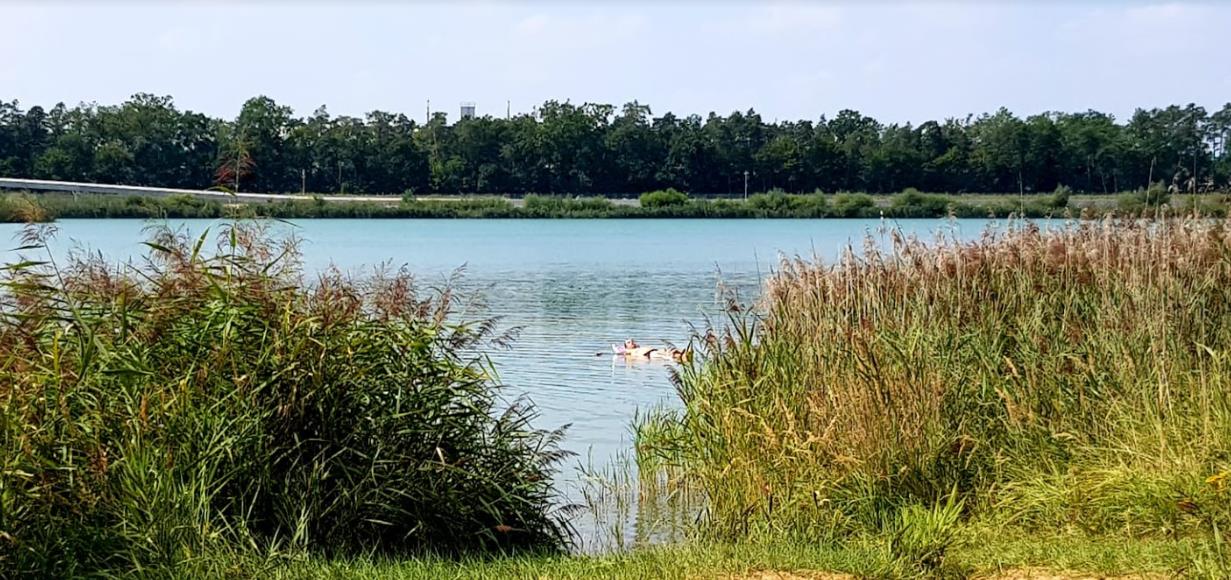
[
  {"x": 985, "y": 554},
  {"x": 659, "y": 204}
]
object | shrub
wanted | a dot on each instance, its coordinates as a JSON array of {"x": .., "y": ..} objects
[
  {"x": 560, "y": 207},
  {"x": 663, "y": 198},
  {"x": 20, "y": 208},
  {"x": 1156, "y": 195},
  {"x": 1152, "y": 197},
  {"x": 1059, "y": 198},
  {"x": 211, "y": 402},
  {"x": 852, "y": 204},
  {"x": 921, "y": 536},
  {"x": 776, "y": 203},
  {"x": 911, "y": 203}
]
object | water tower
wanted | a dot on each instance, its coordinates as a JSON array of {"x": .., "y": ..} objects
[{"x": 467, "y": 111}]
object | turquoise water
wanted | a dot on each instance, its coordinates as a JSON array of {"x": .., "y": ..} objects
[{"x": 573, "y": 287}]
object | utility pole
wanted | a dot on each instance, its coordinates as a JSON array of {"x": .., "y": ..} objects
[
  {"x": 303, "y": 181},
  {"x": 239, "y": 154},
  {"x": 428, "y": 119},
  {"x": 748, "y": 151},
  {"x": 508, "y": 109}
]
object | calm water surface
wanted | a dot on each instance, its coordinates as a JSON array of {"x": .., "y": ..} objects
[{"x": 573, "y": 287}]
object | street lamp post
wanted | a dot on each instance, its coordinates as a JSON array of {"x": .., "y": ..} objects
[{"x": 747, "y": 152}]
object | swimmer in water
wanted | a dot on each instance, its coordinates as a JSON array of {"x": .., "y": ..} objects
[{"x": 631, "y": 349}]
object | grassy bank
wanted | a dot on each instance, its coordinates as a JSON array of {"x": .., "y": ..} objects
[
  {"x": 211, "y": 405},
  {"x": 1006, "y": 558},
  {"x": 662, "y": 204},
  {"x": 1066, "y": 383}
]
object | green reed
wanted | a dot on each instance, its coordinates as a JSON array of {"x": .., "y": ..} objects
[
  {"x": 214, "y": 402},
  {"x": 22, "y": 207},
  {"x": 1067, "y": 377}
]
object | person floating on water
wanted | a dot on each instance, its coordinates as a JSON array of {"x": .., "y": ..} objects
[{"x": 630, "y": 349}]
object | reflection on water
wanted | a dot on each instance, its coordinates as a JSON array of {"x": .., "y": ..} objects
[{"x": 573, "y": 287}]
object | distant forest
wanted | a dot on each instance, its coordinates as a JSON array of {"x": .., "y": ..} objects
[{"x": 564, "y": 148}]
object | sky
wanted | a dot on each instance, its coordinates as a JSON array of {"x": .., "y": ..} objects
[{"x": 896, "y": 61}]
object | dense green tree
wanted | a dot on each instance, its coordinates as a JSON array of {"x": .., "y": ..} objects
[
  {"x": 1090, "y": 144},
  {"x": 565, "y": 148},
  {"x": 1000, "y": 151},
  {"x": 634, "y": 152},
  {"x": 1220, "y": 133},
  {"x": 897, "y": 163},
  {"x": 946, "y": 150},
  {"x": 261, "y": 130}
]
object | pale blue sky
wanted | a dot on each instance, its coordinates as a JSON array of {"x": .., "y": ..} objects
[{"x": 903, "y": 61}]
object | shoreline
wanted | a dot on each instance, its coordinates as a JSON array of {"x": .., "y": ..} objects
[{"x": 27, "y": 206}]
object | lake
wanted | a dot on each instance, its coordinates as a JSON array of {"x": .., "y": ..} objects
[{"x": 573, "y": 287}]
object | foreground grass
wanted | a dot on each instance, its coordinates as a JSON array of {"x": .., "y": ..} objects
[{"x": 989, "y": 553}]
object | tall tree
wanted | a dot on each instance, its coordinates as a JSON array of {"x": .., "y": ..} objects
[{"x": 595, "y": 149}]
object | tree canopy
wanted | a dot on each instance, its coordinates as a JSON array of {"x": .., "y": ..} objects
[{"x": 601, "y": 149}]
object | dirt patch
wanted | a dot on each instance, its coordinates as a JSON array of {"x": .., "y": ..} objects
[
  {"x": 1043, "y": 574},
  {"x": 791, "y": 575},
  {"x": 1017, "y": 574}
]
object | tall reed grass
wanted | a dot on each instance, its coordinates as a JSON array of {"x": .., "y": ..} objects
[
  {"x": 1062, "y": 377},
  {"x": 216, "y": 401}
]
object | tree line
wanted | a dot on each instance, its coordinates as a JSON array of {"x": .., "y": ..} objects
[{"x": 564, "y": 148}]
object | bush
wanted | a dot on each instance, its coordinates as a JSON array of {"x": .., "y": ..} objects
[
  {"x": 912, "y": 203},
  {"x": 1156, "y": 195},
  {"x": 779, "y": 204},
  {"x": 1059, "y": 198},
  {"x": 663, "y": 198},
  {"x": 20, "y": 208},
  {"x": 542, "y": 203},
  {"x": 215, "y": 402},
  {"x": 562, "y": 207},
  {"x": 852, "y": 204},
  {"x": 1136, "y": 201}
]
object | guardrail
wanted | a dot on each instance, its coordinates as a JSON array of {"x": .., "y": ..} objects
[{"x": 108, "y": 189}]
